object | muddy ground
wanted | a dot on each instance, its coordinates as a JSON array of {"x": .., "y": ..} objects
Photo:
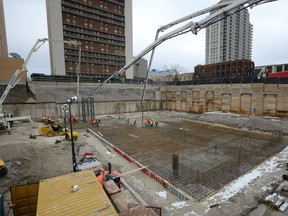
[{"x": 30, "y": 160}]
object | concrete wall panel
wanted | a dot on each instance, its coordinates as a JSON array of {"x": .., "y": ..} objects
[{"x": 119, "y": 99}]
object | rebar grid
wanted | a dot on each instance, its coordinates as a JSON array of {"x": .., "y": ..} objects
[{"x": 208, "y": 156}]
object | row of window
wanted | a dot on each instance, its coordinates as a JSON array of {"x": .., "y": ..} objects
[
  {"x": 94, "y": 60},
  {"x": 94, "y": 55},
  {"x": 97, "y": 35},
  {"x": 105, "y": 69},
  {"x": 93, "y": 15},
  {"x": 101, "y": 4},
  {"x": 91, "y": 24}
]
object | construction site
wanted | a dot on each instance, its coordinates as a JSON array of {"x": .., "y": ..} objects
[
  {"x": 129, "y": 147},
  {"x": 209, "y": 139},
  {"x": 190, "y": 164}
]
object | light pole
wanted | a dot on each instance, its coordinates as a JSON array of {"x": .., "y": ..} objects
[
  {"x": 71, "y": 100},
  {"x": 64, "y": 109}
]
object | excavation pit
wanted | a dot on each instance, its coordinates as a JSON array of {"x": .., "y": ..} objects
[{"x": 198, "y": 158}]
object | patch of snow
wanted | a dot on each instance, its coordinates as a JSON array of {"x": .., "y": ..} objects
[
  {"x": 170, "y": 209},
  {"x": 221, "y": 113},
  {"x": 242, "y": 182},
  {"x": 108, "y": 152},
  {"x": 191, "y": 213},
  {"x": 284, "y": 207},
  {"x": 179, "y": 204},
  {"x": 162, "y": 194},
  {"x": 132, "y": 135}
]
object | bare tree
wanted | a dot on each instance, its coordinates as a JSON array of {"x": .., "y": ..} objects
[{"x": 174, "y": 71}]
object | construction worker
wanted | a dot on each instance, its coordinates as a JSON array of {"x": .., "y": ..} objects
[
  {"x": 44, "y": 119},
  {"x": 145, "y": 122},
  {"x": 134, "y": 122},
  {"x": 150, "y": 122},
  {"x": 55, "y": 126},
  {"x": 156, "y": 123},
  {"x": 95, "y": 122},
  {"x": 74, "y": 120}
]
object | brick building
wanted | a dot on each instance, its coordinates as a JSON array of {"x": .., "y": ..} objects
[{"x": 230, "y": 69}]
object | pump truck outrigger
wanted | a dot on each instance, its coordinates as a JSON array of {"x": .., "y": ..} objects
[{"x": 6, "y": 119}]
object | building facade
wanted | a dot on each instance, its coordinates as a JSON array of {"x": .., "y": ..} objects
[
  {"x": 140, "y": 69},
  {"x": 171, "y": 78},
  {"x": 104, "y": 29},
  {"x": 228, "y": 69},
  {"x": 229, "y": 39}
]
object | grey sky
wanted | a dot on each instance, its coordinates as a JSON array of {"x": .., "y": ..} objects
[{"x": 26, "y": 22}]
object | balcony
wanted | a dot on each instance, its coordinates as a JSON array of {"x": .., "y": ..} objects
[
  {"x": 93, "y": 10},
  {"x": 97, "y": 40},
  {"x": 92, "y": 16},
  {"x": 81, "y": 30},
  {"x": 117, "y": 2}
]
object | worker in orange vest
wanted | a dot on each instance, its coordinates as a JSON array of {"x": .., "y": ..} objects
[{"x": 49, "y": 120}]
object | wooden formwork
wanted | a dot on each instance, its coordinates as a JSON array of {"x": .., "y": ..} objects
[
  {"x": 247, "y": 99},
  {"x": 224, "y": 104},
  {"x": 270, "y": 107}
]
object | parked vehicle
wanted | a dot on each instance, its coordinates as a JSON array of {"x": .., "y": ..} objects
[
  {"x": 56, "y": 129},
  {"x": 3, "y": 168}
]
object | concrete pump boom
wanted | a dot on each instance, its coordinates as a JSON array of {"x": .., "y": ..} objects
[
  {"x": 230, "y": 9},
  {"x": 171, "y": 24},
  {"x": 23, "y": 70},
  {"x": 20, "y": 72}
]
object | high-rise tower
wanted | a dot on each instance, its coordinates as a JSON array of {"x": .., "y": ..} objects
[
  {"x": 104, "y": 29},
  {"x": 229, "y": 39}
]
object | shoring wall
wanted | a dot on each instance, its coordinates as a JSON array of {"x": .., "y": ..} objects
[{"x": 249, "y": 99}]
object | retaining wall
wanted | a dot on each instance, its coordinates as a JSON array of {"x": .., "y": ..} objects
[{"x": 46, "y": 98}]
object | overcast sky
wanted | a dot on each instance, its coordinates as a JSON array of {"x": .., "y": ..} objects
[{"x": 26, "y": 22}]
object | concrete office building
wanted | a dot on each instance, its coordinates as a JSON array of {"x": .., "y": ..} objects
[
  {"x": 140, "y": 69},
  {"x": 3, "y": 37},
  {"x": 104, "y": 29},
  {"x": 229, "y": 39}
]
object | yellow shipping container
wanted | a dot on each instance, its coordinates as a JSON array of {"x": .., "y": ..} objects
[{"x": 77, "y": 193}]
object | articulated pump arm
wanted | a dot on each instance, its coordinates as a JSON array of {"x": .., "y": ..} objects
[
  {"x": 233, "y": 7},
  {"x": 23, "y": 70},
  {"x": 20, "y": 72},
  {"x": 171, "y": 24}
]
